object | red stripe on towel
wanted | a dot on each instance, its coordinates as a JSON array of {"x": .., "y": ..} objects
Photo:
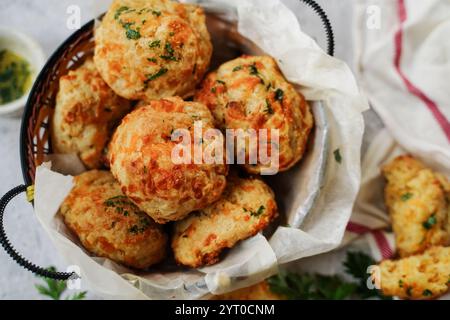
[
  {"x": 380, "y": 239},
  {"x": 383, "y": 244},
  {"x": 357, "y": 228},
  {"x": 432, "y": 106}
]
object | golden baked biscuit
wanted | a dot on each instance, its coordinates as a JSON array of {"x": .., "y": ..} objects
[
  {"x": 140, "y": 155},
  {"x": 259, "y": 291},
  {"x": 251, "y": 93},
  {"x": 422, "y": 276},
  {"x": 418, "y": 205},
  {"x": 86, "y": 112},
  {"x": 246, "y": 207},
  {"x": 150, "y": 49},
  {"x": 109, "y": 225}
]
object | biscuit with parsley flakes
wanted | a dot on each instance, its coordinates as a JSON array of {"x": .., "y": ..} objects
[
  {"x": 86, "y": 113},
  {"x": 250, "y": 92},
  {"x": 418, "y": 204},
  {"x": 141, "y": 158},
  {"x": 247, "y": 206},
  {"x": 150, "y": 49},
  {"x": 422, "y": 276},
  {"x": 109, "y": 225}
]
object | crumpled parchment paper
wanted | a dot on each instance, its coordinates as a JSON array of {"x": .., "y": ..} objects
[{"x": 273, "y": 29}]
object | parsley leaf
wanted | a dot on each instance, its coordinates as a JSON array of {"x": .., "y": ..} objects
[
  {"x": 279, "y": 94},
  {"x": 143, "y": 225},
  {"x": 427, "y": 293},
  {"x": 337, "y": 155},
  {"x": 129, "y": 32},
  {"x": 168, "y": 48},
  {"x": 55, "y": 289},
  {"x": 132, "y": 34},
  {"x": 120, "y": 11},
  {"x": 334, "y": 288},
  {"x": 307, "y": 286},
  {"x": 77, "y": 296},
  {"x": 117, "y": 200},
  {"x": 155, "y": 44},
  {"x": 169, "y": 53},
  {"x": 133, "y": 229},
  {"x": 118, "y": 203},
  {"x": 254, "y": 72},
  {"x": 431, "y": 221},
  {"x": 315, "y": 286},
  {"x": 258, "y": 212},
  {"x": 356, "y": 265},
  {"x": 406, "y": 196},
  {"x": 165, "y": 57},
  {"x": 151, "y": 77},
  {"x": 292, "y": 286},
  {"x": 268, "y": 109}
]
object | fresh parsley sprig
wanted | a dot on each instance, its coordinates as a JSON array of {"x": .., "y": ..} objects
[
  {"x": 55, "y": 289},
  {"x": 356, "y": 265},
  {"x": 310, "y": 286},
  {"x": 318, "y": 287}
]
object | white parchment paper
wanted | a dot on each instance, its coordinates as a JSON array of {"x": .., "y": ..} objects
[{"x": 274, "y": 29}]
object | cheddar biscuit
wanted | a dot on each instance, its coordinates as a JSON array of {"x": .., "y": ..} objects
[
  {"x": 86, "y": 112},
  {"x": 422, "y": 276},
  {"x": 418, "y": 205},
  {"x": 141, "y": 158},
  {"x": 246, "y": 207},
  {"x": 250, "y": 92},
  {"x": 109, "y": 225},
  {"x": 149, "y": 49}
]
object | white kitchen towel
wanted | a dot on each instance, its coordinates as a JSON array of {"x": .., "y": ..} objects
[
  {"x": 403, "y": 64},
  {"x": 369, "y": 218},
  {"x": 402, "y": 56}
]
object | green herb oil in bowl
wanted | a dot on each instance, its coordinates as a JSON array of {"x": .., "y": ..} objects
[{"x": 15, "y": 76}]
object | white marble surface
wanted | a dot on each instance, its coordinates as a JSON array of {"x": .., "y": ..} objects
[{"x": 45, "y": 20}]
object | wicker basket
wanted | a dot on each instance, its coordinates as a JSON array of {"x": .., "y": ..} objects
[{"x": 35, "y": 130}]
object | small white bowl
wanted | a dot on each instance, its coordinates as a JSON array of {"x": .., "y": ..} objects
[{"x": 31, "y": 51}]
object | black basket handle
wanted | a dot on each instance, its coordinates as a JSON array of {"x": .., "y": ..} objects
[
  {"x": 10, "y": 249},
  {"x": 326, "y": 23}
]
